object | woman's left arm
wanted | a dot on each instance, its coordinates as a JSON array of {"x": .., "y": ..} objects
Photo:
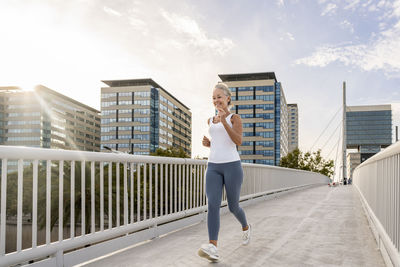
[{"x": 235, "y": 133}]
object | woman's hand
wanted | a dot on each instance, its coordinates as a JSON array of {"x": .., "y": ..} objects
[
  {"x": 221, "y": 114},
  {"x": 206, "y": 141}
]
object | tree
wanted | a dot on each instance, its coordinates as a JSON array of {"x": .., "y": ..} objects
[
  {"x": 170, "y": 152},
  {"x": 308, "y": 161}
]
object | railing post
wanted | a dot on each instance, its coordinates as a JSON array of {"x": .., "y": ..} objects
[
  {"x": 3, "y": 207},
  {"x": 60, "y": 258}
]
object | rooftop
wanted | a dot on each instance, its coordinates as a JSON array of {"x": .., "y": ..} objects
[
  {"x": 247, "y": 76},
  {"x": 139, "y": 82},
  {"x": 368, "y": 108}
]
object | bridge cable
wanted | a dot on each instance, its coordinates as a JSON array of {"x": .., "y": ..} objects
[
  {"x": 340, "y": 108},
  {"x": 336, "y": 145},
  {"x": 337, "y": 150},
  {"x": 337, "y": 127}
]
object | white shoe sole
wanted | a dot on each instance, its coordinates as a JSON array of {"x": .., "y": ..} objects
[{"x": 204, "y": 254}]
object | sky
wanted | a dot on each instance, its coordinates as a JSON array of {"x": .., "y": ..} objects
[{"x": 311, "y": 45}]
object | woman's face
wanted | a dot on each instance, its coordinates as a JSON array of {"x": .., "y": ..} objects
[{"x": 220, "y": 100}]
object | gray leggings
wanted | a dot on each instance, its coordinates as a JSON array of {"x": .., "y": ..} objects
[{"x": 229, "y": 174}]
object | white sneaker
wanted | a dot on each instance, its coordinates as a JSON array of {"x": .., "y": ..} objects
[
  {"x": 246, "y": 236},
  {"x": 209, "y": 251}
]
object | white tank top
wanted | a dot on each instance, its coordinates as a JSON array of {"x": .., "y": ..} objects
[{"x": 222, "y": 148}]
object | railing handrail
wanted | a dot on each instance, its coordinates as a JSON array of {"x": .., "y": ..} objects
[
  {"x": 137, "y": 198},
  {"x": 32, "y": 153},
  {"x": 378, "y": 182},
  {"x": 386, "y": 153}
]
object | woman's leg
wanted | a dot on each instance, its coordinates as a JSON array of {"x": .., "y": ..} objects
[
  {"x": 214, "y": 182},
  {"x": 233, "y": 178}
]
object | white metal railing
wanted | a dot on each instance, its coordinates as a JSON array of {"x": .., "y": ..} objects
[
  {"x": 378, "y": 181},
  {"x": 113, "y": 195}
]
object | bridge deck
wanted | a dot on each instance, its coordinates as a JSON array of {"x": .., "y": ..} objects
[{"x": 320, "y": 226}]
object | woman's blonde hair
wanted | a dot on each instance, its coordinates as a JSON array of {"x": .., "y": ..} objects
[{"x": 227, "y": 92}]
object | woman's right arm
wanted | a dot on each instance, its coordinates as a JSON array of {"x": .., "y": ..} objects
[{"x": 206, "y": 141}]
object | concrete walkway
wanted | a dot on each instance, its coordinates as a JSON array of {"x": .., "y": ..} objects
[{"x": 320, "y": 226}]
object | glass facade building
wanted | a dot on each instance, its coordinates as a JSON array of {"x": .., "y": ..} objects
[
  {"x": 293, "y": 126},
  {"x": 259, "y": 99},
  {"x": 368, "y": 130},
  {"x": 47, "y": 119},
  {"x": 139, "y": 116}
]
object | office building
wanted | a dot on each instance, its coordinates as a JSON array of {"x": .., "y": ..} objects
[
  {"x": 293, "y": 121},
  {"x": 260, "y": 101},
  {"x": 368, "y": 130},
  {"x": 47, "y": 119},
  {"x": 139, "y": 116}
]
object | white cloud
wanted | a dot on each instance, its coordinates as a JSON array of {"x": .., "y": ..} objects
[
  {"x": 372, "y": 8},
  {"x": 396, "y": 8},
  {"x": 352, "y": 4},
  {"x": 111, "y": 11},
  {"x": 382, "y": 54},
  {"x": 329, "y": 9},
  {"x": 347, "y": 25},
  {"x": 290, "y": 36},
  {"x": 195, "y": 35},
  {"x": 280, "y": 3},
  {"x": 381, "y": 3},
  {"x": 139, "y": 25}
]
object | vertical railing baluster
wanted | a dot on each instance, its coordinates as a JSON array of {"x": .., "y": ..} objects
[
  {"x": 83, "y": 198},
  {"x": 170, "y": 189},
  {"x": 117, "y": 195},
  {"x": 92, "y": 203},
  {"x": 188, "y": 188},
  {"x": 145, "y": 191},
  {"x": 48, "y": 200},
  {"x": 125, "y": 193},
  {"x": 101, "y": 196},
  {"x": 110, "y": 195},
  {"x": 196, "y": 178},
  {"x": 72, "y": 199},
  {"x": 175, "y": 189},
  {"x": 156, "y": 191},
  {"x": 19, "y": 204},
  {"x": 34, "y": 202},
  {"x": 151, "y": 190},
  {"x": 3, "y": 206},
  {"x": 166, "y": 188},
  {"x": 131, "y": 176},
  {"x": 198, "y": 185},
  {"x": 60, "y": 201},
  {"x": 161, "y": 189},
  {"x": 180, "y": 188},
  {"x": 138, "y": 184},
  {"x": 191, "y": 192}
]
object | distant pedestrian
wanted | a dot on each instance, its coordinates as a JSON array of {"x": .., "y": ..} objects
[{"x": 224, "y": 168}]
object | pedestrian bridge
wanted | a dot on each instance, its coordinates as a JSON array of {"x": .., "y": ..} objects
[
  {"x": 317, "y": 226},
  {"x": 132, "y": 210}
]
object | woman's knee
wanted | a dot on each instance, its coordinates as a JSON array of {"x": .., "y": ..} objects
[
  {"x": 233, "y": 208},
  {"x": 213, "y": 205}
]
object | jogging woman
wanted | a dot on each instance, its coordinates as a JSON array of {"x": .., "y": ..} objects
[{"x": 223, "y": 169}]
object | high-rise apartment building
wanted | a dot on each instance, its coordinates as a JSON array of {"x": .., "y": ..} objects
[
  {"x": 368, "y": 130},
  {"x": 293, "y": 120},
  {"x": 259, "y": 99},
  {"x": 47, "y": 119},
  {"x": 139, "y": 116}
]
